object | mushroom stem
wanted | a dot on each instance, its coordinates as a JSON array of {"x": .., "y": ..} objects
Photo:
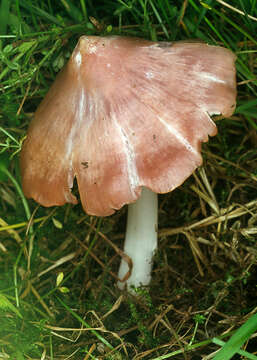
[{"x": 140, "y": 240}]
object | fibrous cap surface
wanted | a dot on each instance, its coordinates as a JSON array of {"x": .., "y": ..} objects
[{"x": 122, "y": 114}]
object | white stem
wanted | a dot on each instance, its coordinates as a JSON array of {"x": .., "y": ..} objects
[{"x": 140, "y": 239}]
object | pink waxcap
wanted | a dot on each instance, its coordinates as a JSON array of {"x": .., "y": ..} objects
[{"x": 122, "y": 114}]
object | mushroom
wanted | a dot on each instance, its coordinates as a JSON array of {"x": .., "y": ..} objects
[{"x": 126, "y": 117}]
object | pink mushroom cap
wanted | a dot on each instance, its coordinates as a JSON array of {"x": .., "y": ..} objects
[{"x": 125, "y": 113}]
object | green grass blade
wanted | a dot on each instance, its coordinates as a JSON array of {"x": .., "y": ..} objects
[
  {"x": 240, "y": 352},
  {"x": 159, "y": 19},
  {"x": 229, "y": 21},
  {"x": 39, "y": 12},
  {"x": 72, "y": 10},
  {"x": 238, "y": 339},
  {"x": 83, "y": 322},
  {"x": 4, "y": 16},
  {"x": 246, "y": 106}
]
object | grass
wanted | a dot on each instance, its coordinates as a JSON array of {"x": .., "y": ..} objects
[{"x": 58, "y": 298}]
